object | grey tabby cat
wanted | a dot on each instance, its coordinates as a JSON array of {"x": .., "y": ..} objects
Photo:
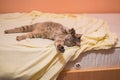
[{"x": 49, "y": 30}]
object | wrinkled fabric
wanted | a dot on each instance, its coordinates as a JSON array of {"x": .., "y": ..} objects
[{"x": 37, "y": 59}]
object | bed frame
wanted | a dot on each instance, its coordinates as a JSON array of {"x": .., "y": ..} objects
[{"x": 91, "y": 74}]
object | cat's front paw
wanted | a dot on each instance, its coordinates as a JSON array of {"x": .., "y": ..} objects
[{"x": 61, "y": 48}]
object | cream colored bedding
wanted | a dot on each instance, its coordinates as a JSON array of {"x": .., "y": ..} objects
[{"x": 37, "y": 59}]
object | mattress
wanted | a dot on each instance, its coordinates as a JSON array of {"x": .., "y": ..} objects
[{"x": 37, "y": 59}]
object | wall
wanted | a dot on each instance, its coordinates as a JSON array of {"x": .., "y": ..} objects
[{"x": 60, "y": 6}]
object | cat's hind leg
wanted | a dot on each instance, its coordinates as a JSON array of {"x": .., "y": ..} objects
[
  {"x": 28, "y": 35},
  {"x": 24, "y": 36}
]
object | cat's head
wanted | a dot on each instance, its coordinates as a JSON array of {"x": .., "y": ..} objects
[{"x": 72, "y": 39}]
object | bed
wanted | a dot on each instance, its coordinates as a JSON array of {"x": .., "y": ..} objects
[{"x": 37, "y": 59}]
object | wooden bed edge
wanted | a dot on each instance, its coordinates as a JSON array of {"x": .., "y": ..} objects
[{"x": 91, "y": 74}]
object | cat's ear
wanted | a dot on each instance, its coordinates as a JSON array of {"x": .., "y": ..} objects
[
  {"x": 70, "y": 31},
  {"x": 78, "y": 36}
]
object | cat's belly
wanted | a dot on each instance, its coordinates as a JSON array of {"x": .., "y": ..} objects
[{"x": 47, "y": 35}]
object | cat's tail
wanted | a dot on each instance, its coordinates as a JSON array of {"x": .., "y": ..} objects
[{"x": 26, "y": 28}]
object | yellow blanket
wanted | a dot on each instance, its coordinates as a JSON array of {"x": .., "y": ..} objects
[{"x": 37, "y": 59}]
